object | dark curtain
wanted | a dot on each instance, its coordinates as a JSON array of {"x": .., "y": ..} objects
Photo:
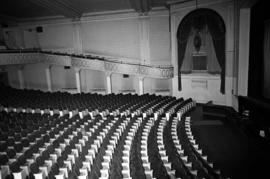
[
  {"x": 182, "y": 36},
  {"x": 259, "y": 15},
  {"x": 266, "y": 60},
  {"x": 198, "y": 19},
  {"x": 217, "y": 30},
  {"x": 186, "y": 67}
]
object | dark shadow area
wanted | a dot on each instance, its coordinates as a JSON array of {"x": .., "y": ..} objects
[{"x": 231, "y": 150}]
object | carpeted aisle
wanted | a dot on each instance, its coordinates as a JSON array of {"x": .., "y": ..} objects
[{"x": 233, "y": 152}]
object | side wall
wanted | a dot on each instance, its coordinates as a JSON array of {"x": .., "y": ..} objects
[{"x": 118, "y": 35}]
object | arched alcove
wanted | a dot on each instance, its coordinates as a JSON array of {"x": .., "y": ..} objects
[{"x": 189, "y": 36}]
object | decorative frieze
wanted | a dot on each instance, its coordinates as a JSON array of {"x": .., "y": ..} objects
[
  {"x": 111, "y": 66},
  {"x": 87, "y": 64}
]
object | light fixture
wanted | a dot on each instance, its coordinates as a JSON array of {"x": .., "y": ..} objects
[{"x": 197, "y": 41}]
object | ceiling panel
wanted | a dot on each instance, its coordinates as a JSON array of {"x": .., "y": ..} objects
[
  {"x": 27, "y": 8},
  {"x": 23, "y": 9}
]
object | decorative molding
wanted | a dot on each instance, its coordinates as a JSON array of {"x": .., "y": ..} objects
[
  {"x": 111, "y": 66},
  {"x": 167, "y": 73},
  {"x": 88, "y": 64},
  {"x": 55, "y": 59},
  {"x": 198, "y": 83},
  {"x": 143, "y": 70},
  {"x": 18, "y": 58},
  {"x": 84, "y": 63}
]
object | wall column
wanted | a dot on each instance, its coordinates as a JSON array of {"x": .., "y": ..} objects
[
  {"x": 21, "y": 78},
  {"x": 144, "y": 22},
  {"x": 230, "y": 55},
  {"x": 109, "y": 83},
  {"x": 141, "y": 85},
  {"x": 243, "y": 51},
  {"x": 78, "y": 79},
  {"x": 77, "y": 37},
  {"x": 49, "y": 78},
  {"x": 174, "y": 55}
]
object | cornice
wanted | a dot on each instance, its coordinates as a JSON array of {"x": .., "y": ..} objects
[{"x": 89, "y": 17}]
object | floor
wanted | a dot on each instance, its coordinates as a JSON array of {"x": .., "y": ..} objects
[{"x": 236, "y": 154}]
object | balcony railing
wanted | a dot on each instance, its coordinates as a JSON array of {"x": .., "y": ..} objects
[{"x": 84, "y": 61}]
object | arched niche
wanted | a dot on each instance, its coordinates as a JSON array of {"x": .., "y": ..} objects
[{"x": 197, "y": 20}]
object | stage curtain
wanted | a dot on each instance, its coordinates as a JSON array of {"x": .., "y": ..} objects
[
  {"x": 207, "y": 48},
  {"x": 187, "y": 62},
  {"x": 266, "y": 60},
  {"x": 213, "y": 66}
]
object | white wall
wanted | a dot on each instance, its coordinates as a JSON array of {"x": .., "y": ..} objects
[
  {"x": 14, "y": 37},
  {"x": 34, "y": 76},
  {"x": 156, "y": 86},
  {"x": 62, "y": 78},
  {"x": 120, "y": 84},
  {"x": 56, "y": 36},
  {"x": 30, "y": 38},
  {"x": 160, "y": 41},
  {"x": 92, "y": 80},
  {"x": 13, "y": 76},
  {"x": 118, "y": 38}
]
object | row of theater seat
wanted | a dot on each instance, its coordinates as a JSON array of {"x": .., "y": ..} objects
[
  {"x": 144, "y": 138},
  {"x": 204, "y": 163},
  {"x": 35, "y": 99},
  {"x": 197, "y": 160}
]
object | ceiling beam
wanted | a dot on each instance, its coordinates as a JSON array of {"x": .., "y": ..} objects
[
  {"x": 63, "y": 7},
  {"x": 173, "y": 2},
  {"x": 141, "y": 6}
]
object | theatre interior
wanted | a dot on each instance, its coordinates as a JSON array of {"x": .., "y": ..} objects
[{"x": 142, "y": 89}]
